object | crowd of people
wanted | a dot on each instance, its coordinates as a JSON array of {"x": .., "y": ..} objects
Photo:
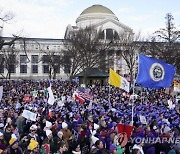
[{"x": 112, "y": 122}]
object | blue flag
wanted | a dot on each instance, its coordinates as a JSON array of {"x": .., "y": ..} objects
[{"x": 154, "y": 73}]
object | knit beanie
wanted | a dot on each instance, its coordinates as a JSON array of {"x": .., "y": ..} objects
[
  {"x": 64, "y": 125},
  {"x": 112, "y": 147},
  {"x": 33, "y": 144},
  {"x": 13, "y": 139}
]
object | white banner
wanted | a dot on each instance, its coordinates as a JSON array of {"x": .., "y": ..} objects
[
  {"x": 1, "y": 92},
  {"x": 143, "y": 119},
  {"x": 29, "y": 115},
  {"x": 51, "y": 96}
]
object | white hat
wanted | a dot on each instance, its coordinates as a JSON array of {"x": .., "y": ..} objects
[
  {"x": 33, "y": 127},
  {"x": 64, "y": 125},
  {"x": 96, "y": 126},
  {"x": 9, "y": 120},
  {"x": 94, "y": 139},
  {"x": 1, "y": 134},
  {"x": 154, "y": 127},
  {"x": 13, "y": 136},
  {"x": 60, "y": 132},
  {"x": 167, "y": 129},
  {"x": 48, "y": 132},
  {"x": 48, "y": 124},
  {"x": 1, "y": 125}
]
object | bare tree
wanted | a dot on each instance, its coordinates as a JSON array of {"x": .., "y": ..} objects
[
  {"x": 85, "y": 50},
  {"x": 53, "y": 60},
  {"x": 9, "y": 60},
  {"x": 165, "y": 44},
  {"x": 72, "y": 61},
  {"x": 4, "y": 18},
  {"x": 9, "y": 54},
  {"x": 128, "y": 46}
]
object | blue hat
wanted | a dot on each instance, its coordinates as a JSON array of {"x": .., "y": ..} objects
[
  {"x": 107, "y": 118},
  {"x": 139, "y": 123},
  {"x": 141, "y": 134},
  {"x": 109, "y": 125},
  {"x": 112, "y": 147}
]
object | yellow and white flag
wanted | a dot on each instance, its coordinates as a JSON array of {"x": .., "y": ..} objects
[{"x": 118, "y": 81}]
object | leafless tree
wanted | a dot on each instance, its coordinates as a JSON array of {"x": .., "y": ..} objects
[
  {"x": 85, "y": 49},
  {"x": 53, "y": 59},
  {"x": 9, "y": 60},
  {"x": 128, "y": 46},
  {"x": 8, "y": 52},
  {"x": 165, "y": 44}
]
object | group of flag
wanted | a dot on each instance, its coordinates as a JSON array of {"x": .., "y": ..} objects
[
  {"x": 82, "y": 94},
  {"x": 152, "y": 73}
]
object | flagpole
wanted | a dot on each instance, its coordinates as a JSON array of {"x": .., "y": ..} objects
[
  {"x": 133, "y": 99},
  {"x": 109, "y": 99}
]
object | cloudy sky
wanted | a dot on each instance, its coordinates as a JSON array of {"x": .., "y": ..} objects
[{"x": 49, "y": 18}]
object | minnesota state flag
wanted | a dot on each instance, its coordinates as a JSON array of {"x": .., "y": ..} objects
[
  {"x": 154, "y": 73},
  {"x": 118, "y": 81}
]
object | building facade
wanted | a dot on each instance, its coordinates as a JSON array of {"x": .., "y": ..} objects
[{"x": 32, "y": 61}]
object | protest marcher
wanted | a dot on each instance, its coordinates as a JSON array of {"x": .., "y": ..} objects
[
  {"x": 67, "y": 134},
  {"x": 13, "y": 146},
  {"x": 33, "y": 147},
  {"x": 62, "y": 148},
  {"x": 51, "y": 141},
  {"x": 25, "y": 112},
  {"x": 2, "y": 142}
]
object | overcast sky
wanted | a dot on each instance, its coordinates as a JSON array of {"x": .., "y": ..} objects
[{"x": 49, "y": 18}]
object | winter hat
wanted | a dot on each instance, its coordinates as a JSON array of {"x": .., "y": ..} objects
[
  {"x": 64, "y": 125},
  {"x": 1, "y": 134},
  {"x": 48, "y": 124},
  {"x": 13, "y": 139},
  {"x": 33, "y": 127},
  {"x": 155, "y": 127},
  {"x": 33, "y": 144},
  {"x": 96, "y": 126},
  {"x": 9, "y": 120},
  {"x": 60, "y": 132},
  {"x": 48, "y": 132},
  {"x": 167, "y": 129},
  {"x": 1, "y": 125},
  {"x": 76, "y": 117},
  {"x": 94, "y": 139},
  {"x": 112, "y": 147}
]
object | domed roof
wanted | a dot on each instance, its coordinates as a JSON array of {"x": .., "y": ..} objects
[
  {"x": 94, "y": 13},
  {"x": 97, "y": 9}
]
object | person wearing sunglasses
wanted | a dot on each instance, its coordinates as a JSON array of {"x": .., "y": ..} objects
[{"x": 33, "y": 133}]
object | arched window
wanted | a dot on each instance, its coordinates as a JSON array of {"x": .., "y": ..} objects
[
  {"x": 109, "y": 34},
  {"x": 116, "y": 36},
  {"x": 101, "y": 35}
]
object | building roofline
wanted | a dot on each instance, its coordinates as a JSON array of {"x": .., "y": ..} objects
[{"x": 36, "y": 39}]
